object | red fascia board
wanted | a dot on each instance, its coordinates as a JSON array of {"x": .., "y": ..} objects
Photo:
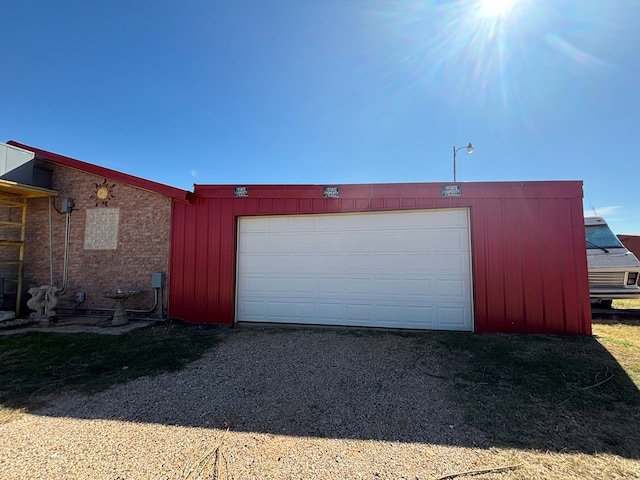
[
  {"x": 529, "y": 189},
  {"x": 144, "y": 184}
]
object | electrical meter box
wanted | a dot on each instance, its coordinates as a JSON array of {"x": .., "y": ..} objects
[{"x": 157, "y": 280}]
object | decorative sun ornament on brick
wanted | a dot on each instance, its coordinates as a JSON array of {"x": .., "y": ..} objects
[{"x": 102, "y": 193}]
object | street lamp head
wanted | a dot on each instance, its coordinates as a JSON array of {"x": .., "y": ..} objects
[{"x": 455, "y": 151}]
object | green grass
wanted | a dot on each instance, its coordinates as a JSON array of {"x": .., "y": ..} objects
[
  {"x": 626, "y": 304},
  {"x": 539, "y": 392},
  {"x": 35, "y": 366}
]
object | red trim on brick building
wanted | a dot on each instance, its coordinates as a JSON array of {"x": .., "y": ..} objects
[{"x": 166, "y": 190}]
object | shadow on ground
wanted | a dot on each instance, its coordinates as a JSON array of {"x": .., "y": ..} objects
[
  {"x": 616, "y": 315},
  {"x": 541, "y": 392}
]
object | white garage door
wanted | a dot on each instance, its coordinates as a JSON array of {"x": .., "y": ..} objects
[{"x": 408, "y": 269}]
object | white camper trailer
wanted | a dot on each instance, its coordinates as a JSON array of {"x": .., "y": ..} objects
[{"x": 613, "y": 270}]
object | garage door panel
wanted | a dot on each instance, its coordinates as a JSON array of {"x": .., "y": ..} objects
[
  {"x": 303, "y": 263},
  {"x": 277, "y": 309},
  {"x": 253, "y": 309},
  {"x": 252, "y": 243},
  {"x": 298, "y": 223},
  {"x": 394, "y": 269},
  {"x": 389, "y": 314},
  {"x": 387, "y": 241},
  {"x": 257, "y": 224},
  {"x": 305, "y": 285},
  {"x": 329, "y": 223},
  {"x": 358, "y": 241},
  {"x": 357, "y": 313},
  {"x": 278, "y": 263},
  {"x": 331, "y": 285},
  {"x": 254, "y": 263},
  {"x": 420, "y": 262},
  {"x": 358, "y": 263},
  {"x": 305, "y": 310},
  {"x": 332, "y": 262},
  {"x": 252, "y": 285},
  {"x": 447, "y": 241},
  {"x": 276, "y": 284},
  {"x": 451, "y": 288},
  {"x": 440, "y": 218},
  {"x": 452, "y": 317},
  {"x": 415, "y": 239},
  {"x": 387, "y": 262},
  {"x": 420, "y": 288},
  {"x": 384, "y": 287},
  {"x": 451, "y": 263},
  {"x": 420, "y": 317},
  {"x": 331, "y": 310},
  {"x": 357, "y": 286}
]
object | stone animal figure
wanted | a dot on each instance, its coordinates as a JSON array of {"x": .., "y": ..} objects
[
  {"x": 51, "y": 301},
  {"x": 37, "y": 301}
]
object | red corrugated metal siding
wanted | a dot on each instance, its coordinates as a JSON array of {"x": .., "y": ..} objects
[
  {"x": 529, "y": 261},
  {"x": 632, "y": 242}
]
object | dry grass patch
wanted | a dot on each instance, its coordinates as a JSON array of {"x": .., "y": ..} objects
[
  {"x": 622, "y": 340},
  {"x": 628, "y": 304},
  {"x": 539, "y": 465},
  {"x": 563, "y": 407}
]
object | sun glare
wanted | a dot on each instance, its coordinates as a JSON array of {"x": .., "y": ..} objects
[{"x": 494, "y": 8}]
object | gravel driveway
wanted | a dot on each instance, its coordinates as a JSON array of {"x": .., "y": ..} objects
[{"x": 301, "y": 404}]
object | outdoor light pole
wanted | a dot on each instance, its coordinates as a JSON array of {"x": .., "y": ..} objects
[{"x": 455, "y": 150}]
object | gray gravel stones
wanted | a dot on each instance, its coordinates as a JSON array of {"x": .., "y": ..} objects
[{"x": 296, "y": 403}]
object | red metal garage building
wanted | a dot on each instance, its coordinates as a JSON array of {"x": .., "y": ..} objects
[
  {"x": 483, "y": 257},
  {"x": 632, "y": 242}
]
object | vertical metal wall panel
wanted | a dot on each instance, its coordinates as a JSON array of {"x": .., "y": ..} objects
[
  {"x": 227, "y": 278},
  {"x": 528, "y": 255},
  {"x": 479, "y": 264},
  {"x": 532, "y": 251},
  {"x": 495, "y": 275},
  {"x": 203, "y": 293},
  {"x": 513, "y": 259},
  {"x": 177, "y": 264},
  {"x": 551, "y": 260}
]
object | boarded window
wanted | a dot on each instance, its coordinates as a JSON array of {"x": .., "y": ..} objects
[{"x": 101, "y": 231}]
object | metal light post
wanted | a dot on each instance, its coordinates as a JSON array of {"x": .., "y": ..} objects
[{"x": 455, "y": 150}]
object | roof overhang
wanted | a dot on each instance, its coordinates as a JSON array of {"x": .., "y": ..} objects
[
  {"x": 138, "y": 182},
  {"x": 8, "y": 188}
]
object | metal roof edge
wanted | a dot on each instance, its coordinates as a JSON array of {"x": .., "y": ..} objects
[{"x": 142, "y": 183}]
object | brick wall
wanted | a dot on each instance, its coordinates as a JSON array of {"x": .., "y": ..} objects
[{"x": 141, "y": 245}]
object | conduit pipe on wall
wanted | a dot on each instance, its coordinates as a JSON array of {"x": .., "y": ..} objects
[
  {"x": 155, "y": 305},
  {"x": 67, "y": 235},
  {"x": 50, "y": 242},
  {"x": 65, "y": 261}
]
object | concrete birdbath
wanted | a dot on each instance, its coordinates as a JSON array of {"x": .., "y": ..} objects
[{"x": 120, "y": 296}]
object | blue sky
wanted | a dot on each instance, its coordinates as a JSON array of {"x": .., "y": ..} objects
[{"x": 333, "y": 91}]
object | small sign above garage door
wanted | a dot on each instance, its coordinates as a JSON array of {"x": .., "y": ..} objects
[{"x": 401, "y": 269}]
